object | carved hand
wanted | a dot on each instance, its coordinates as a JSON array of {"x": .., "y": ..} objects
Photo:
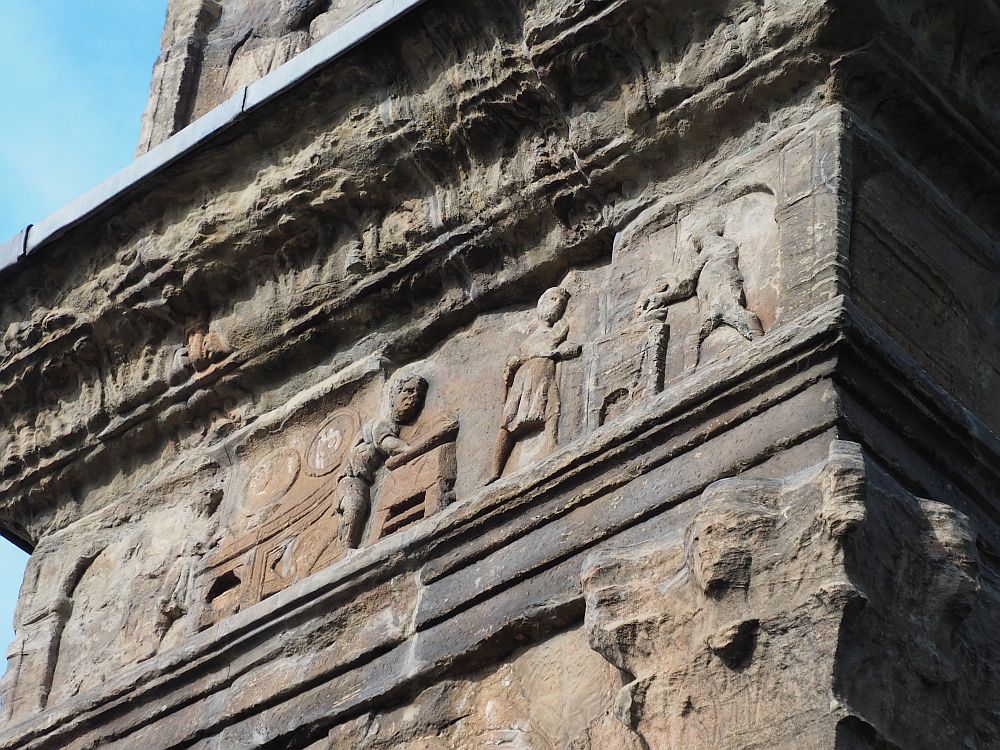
[
  {"x": 654, "y": 301},
  {"x": 393, "y": 446},
  {"x": 512, "y": 366}
]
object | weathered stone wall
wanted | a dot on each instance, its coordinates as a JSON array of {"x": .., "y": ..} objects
[{"x": 558, "y": 374}]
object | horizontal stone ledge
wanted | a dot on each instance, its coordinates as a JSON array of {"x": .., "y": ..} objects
[
  {"x": 321, "y": 689},
  {"x": 572, "y": 492},
  {"x": 864, "y": 331},
  {"x": 669, "y": 474},
  {"x": 329, "y": 589},
  {"x": 296, "y": 695},
  {"x": 917, "y": 415},
  {"x": 980, "y": 244}
]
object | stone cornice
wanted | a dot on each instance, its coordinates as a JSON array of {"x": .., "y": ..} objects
[{"x": 961, "y": 455}]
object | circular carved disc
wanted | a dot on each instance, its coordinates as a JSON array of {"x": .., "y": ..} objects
[
  {"x": 327, "y": 450},
  {"x": 272, "y": 478}
]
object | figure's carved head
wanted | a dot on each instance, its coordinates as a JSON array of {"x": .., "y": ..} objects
[
  {"x": 406, "y": 397},
  {"x": 712, "y": 225},
  {"x": 552, "y": 304}
]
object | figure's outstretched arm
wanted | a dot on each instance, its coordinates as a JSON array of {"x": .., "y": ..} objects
[
  {"x": 393, "y": 446},
  {"x": 668, "y": 289},
  {"x": 568, "y": 350}
]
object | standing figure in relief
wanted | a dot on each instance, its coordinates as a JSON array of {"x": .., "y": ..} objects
[
  {"x": 375, "y": 442},
  {"x": 717, "y": 282},
  {"x": 531, "y": 400}
]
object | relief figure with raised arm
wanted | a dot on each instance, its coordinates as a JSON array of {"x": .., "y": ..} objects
[
  {"x": 715, "y": 279},
  {"x": 376, "y": 441}
]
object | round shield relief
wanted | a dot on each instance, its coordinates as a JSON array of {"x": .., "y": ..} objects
[
  {"x": 327, "y": 450},
  {"x": 272, "y": 478}
]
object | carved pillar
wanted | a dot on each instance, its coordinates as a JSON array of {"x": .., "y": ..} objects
[{"x": 178, "y": 69}]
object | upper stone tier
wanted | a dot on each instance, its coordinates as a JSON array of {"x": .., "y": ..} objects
[{"x": 212, "y": 48}]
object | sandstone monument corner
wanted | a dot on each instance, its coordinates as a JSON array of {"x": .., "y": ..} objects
[{"x": 542, "y": 374}]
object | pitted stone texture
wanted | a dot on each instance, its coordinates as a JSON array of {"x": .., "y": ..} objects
[
  {"x": 828, "y": 610},
  {"x": 556, "y": 694},
  {"x": 113, "y": 595},
  {"x": 731, "y": 630}
]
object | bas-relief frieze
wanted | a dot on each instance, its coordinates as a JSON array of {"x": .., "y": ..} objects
[
  {"x": 709, "y": 295},
  {"x": 83, "y": 390},
  {"x": 173, "y": 354},
  {"x": 74, "y": 631},
  {"x": 353, "y": 466},
  {"x": 674, "y": 297},
  {"x": 349, "y": 484}
]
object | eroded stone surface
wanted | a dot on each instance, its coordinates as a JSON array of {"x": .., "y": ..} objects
[
  {"x": 341, "y": 401},
  {"x": 556, "y": 694},
  {"x": 731, "y": 630},
  {"x": 786, "y": 616}
]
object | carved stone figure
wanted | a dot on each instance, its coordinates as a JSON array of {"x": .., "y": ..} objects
[
  {"x": 375, "y": 442},
  {"x": 716, "y": 281},
  {"x": 697, "y": 619},
  {"x": 531, "y": 391},
  {"x": 205, "y": 345}
]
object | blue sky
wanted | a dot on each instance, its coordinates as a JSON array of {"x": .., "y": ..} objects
[{"x": 74, "y": 78}]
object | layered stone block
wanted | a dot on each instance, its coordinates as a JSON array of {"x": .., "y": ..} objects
[{"x": 549, "y": 374}]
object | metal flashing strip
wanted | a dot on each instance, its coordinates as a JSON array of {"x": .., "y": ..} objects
[
  {"x": 14, "y": 248},
  {"x": 125, "y": 180},
  {"x": 202, "y": 130}
]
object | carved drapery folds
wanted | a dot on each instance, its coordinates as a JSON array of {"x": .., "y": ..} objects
[{"x": 531, "y": 400}]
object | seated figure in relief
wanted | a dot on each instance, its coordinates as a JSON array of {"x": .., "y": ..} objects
[
  {"x": 715, "y": 279},
  {"x": 376, "y": 441},
  {"x": 531, "y": 393}
]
